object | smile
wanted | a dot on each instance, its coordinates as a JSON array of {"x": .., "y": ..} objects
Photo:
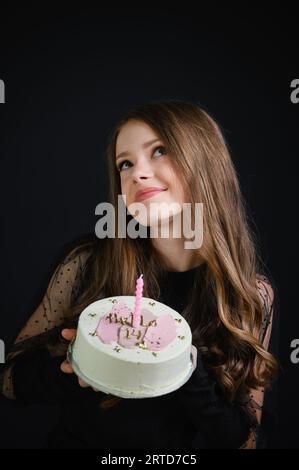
[{"x": 149, "y": 194}]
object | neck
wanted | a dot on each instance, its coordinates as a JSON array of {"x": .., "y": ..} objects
[{"x": 173, "y": 254}]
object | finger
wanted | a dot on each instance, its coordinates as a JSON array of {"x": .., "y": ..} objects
[
  {"x": 66, "y": 367},
  {"x": 68, "y": 333},
  {"x": 82, "y": 383},
  {"x": 194, "y": 356}
]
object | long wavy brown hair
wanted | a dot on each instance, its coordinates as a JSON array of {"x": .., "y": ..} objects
[{"x": 225, "y": 312}]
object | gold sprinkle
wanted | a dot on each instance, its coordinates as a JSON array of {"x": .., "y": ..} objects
[
  {"x": 92, "y": 314},
  {"x": 154, "y": 354},
  {"x": 152, "y": 304},
  {"x": 181, "y": 337},
  {"x": 178, "y": 320},
  {"x": 117, "y": 349},
  {"x": 143, "y": 345},
  {"x": 113, "y": 301},
  {"x": 93, "y": 333}
]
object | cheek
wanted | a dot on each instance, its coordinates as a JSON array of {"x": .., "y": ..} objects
[
  {"x": 177, "y": 192},
  {"x": 123, "y": 186},
  {"x": 125, "y": 192},
  {"x": 173, "y": 181}
]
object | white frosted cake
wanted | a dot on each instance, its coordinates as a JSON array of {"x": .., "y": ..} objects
[{"x": 132, "y": 362}]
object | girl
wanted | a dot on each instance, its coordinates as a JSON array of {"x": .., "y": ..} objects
[{"x": 220, "y": 287}]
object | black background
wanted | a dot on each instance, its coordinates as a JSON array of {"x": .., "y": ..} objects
[{"x": 70, "y": 75}]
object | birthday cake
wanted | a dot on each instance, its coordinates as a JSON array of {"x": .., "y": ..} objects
[{"x": 149, "y": 359}]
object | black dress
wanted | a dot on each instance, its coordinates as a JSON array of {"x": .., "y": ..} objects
[{"x": 195, "y": 416}]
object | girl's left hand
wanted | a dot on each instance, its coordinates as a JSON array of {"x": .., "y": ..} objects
[{"x": 194, "y": 356}]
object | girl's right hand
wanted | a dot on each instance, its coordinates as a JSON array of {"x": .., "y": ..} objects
[{"x": 69, "y": 334}]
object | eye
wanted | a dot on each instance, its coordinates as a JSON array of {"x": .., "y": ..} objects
[
  {"x": 159, "y": 148},
  {"x": 120, "y": 166}
]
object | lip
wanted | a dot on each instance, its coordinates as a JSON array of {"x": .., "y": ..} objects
[{"x": 147, "y": 193}]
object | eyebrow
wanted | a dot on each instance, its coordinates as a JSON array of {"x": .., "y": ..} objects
[{"x": 145, "y": 145}]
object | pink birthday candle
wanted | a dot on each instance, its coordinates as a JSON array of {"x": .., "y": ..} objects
[{"x": 138, "y": 297}]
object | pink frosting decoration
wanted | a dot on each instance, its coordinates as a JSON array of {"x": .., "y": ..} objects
[
  {"x": 154, "y": 337},
  {"x": 158, "y": 337},
  {"x": 108, "y": 331}
]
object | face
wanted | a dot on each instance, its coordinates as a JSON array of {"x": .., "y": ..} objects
[{"x": 147, "y": 174}]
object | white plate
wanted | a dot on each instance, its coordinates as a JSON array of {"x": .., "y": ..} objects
[{"x": 125, "y": 393}]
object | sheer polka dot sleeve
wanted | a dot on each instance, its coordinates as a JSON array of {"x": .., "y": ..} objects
[
  {"x": 255, "y": 405},
  {"x": 42, "y": 329}
]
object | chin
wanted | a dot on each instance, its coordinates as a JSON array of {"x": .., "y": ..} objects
[{"x": 159, "y": 215}]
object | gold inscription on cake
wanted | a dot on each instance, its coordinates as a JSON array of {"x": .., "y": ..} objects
[
  {"x": 139, "y": 334},
  {"x": 113, "y": 318}
]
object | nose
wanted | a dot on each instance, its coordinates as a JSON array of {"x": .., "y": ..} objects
[{"x": 142, "y": 170}]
